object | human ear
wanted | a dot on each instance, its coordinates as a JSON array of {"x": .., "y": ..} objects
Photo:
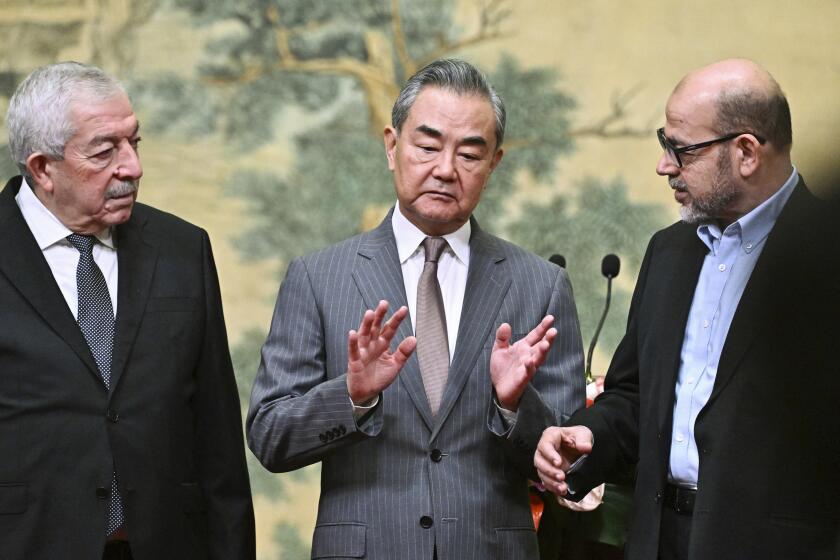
[
  {"x": 497, "y": 157},
  {"x": 41, "y": 170},
  {"x": 749, "y": 153},
  {"x": 390, "y": 138}
]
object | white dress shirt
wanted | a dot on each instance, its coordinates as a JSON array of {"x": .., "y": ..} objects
[
  {"x": 62, "y": 257},
  {"x": 452, "y": 270}
]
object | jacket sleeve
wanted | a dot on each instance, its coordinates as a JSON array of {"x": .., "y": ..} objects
[
  {"x": 555, "y": 391},
  {"x": 298, "y": 416},
  {"x": 220, "y": 448},
  {"x": 614, "y": 418}
]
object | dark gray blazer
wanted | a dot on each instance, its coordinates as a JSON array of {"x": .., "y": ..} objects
[{"x": 402, "y": 483}]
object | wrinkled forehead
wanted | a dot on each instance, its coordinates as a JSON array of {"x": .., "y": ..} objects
[
  {"x": 445, "y": 109},
  {"x": 114, "y": 109}
]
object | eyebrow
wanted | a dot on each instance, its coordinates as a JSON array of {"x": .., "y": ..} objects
[
  {"x": 429, "y": 131},
  {"x": 435, "y": 133},
  {"x": 96, "y": 140},
  {"x": 474, "y": 141},
  {"x": 676, "y": 142}
]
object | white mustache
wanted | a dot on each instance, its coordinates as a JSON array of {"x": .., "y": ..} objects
[
  {"x": 677, "y": 184},
  {"x": 121, "y": 189}
]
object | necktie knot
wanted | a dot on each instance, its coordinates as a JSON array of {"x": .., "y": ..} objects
[
  {"x": 434, "y": 246},
  {"x": 83, "y": 243}
]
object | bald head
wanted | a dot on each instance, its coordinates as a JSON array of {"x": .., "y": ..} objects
[{"x": 744, "y": 97}]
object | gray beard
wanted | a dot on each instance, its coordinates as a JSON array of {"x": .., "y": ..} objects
[{"x": 710, "y": 206}]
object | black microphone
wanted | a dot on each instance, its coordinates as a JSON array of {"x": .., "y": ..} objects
[
  {"x": 610, "y": 265},
  {"x": 559, "y": 260}
]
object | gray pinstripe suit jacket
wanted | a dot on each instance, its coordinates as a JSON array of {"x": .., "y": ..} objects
[{"x": 401, "y": 483}]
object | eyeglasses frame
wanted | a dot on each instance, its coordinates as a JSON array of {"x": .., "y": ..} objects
[{"x": 670, "y": 148}]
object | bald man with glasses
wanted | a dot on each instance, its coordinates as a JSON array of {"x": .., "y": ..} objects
[{"x": 724, "y": 388}]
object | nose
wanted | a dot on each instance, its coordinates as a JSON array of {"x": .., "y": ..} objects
[
  {"x": 666, "y": 165},
  {"x": 445, "y": 167},
  {"x": 128, "y": 167}
]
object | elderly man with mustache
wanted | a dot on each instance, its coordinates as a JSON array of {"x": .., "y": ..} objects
[{"x": 120, "y": 427}]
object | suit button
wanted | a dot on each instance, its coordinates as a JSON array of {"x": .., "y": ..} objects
[
  {"x": 102, "y": 493},
  {"x": 342, "y": 429},
  {"x": 426, "y": 522},
  {"x": 323, "y": 438},
  {"x": 436, "y": 455},
  {"x": 112, "y": 415},
  {"x": 657, "y": 498},
  {"x": 336, "y": 432}
]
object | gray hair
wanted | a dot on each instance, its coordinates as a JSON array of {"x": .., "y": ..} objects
[
  {"x": 453, "y": 75},
  {"x": 39, "y": 117}
]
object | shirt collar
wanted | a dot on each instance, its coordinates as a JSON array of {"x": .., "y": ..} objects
[
  {"x": 46, "y": 228},
  {"x": 409, "y": 237},
  {"x": 755, "y": 226}
]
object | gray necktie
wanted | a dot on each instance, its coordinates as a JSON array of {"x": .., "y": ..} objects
[
  {"x": 432, "y": 342},
  {"x": 96, "y": 320}
]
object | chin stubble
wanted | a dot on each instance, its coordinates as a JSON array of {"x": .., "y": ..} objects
[{"x": 711, "y": 205}]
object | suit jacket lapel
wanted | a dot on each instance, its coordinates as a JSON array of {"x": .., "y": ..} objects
[
  {"x": 137, "y": 259},
  {"x": 378, "y": 275},
  {"x": 24, "y": 265},
  {"x": 678, "y": 283},
  {"x": 487, "y": 284}
]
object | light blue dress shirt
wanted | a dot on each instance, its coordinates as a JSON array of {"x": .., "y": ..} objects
[{"x": 732, "y": 255}]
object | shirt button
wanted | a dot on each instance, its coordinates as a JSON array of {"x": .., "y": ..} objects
[
  {"x": 722, "y": 267},
  {"x": 705, "y": 323},
  {"x": 690, "y": 380},
  {"x": 749, "y": 245},
  {"x": 680, "y": 438},
  {"x": 426, "y": 522}
]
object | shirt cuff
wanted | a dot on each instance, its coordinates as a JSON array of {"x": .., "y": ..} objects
[
  {"x": 360, "y": 410},
  {"x": 508, "y": 416}
]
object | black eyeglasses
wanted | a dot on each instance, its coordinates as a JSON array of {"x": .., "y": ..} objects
[{"x": 675, "y": 152}]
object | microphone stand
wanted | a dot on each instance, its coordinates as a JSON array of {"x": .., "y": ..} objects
[
  {"x": 610, "y": 265},
  {"x": 598, "y": 331}
]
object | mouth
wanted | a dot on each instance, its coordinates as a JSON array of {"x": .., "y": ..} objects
[
  {"x": 122, "y": 196},
  {"x": 119, "y": 202},
  {"x": 680, "y": 189},
  {"x": 440, "y": 195},
  {"x": 680, "y": 195}
]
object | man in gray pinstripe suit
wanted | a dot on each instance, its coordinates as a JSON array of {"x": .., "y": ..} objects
[{"x": 417, "y": 466}]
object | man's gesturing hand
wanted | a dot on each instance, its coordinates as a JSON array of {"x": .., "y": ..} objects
[
  {"x": 370, "y": 366},
  {"x": 513, "y": 365},
  {"x": 557, "y": 450}
]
